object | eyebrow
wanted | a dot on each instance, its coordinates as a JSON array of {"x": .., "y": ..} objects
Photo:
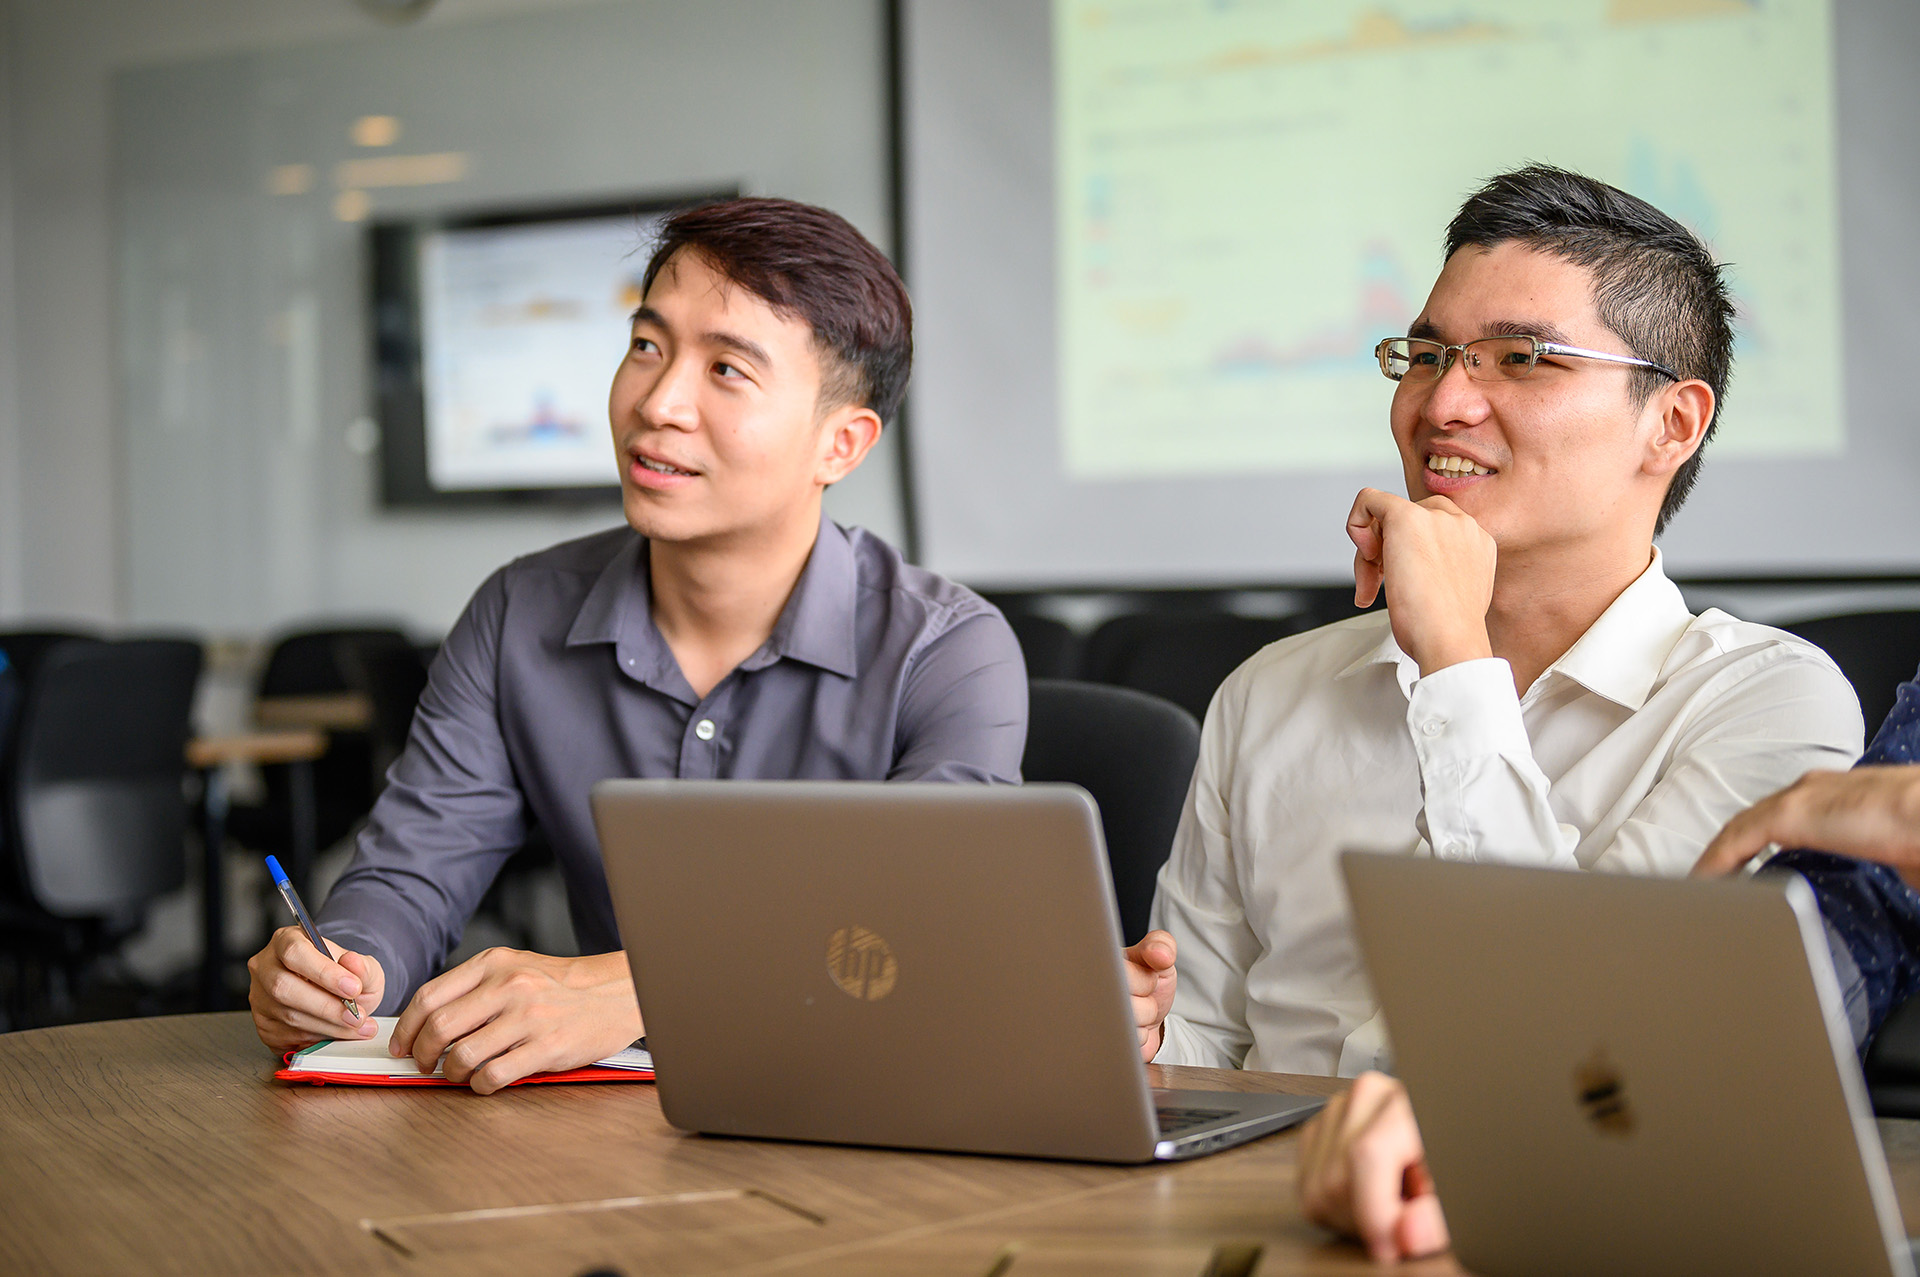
[
  {"x": 1425, "y": 330},
  {"x": 732, "y": 341}
]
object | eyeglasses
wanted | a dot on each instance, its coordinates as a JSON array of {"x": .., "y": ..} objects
[{"x": 1512, "y": 358}]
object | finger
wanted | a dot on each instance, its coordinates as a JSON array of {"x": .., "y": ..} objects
[
  {"x": 1423, "y": 1228},
  {"x": 431, "y": 997},
  {"x": 281, "y": 995},
  {"x": 1380, "y": 1158},
  {"x": 469, "y": 1053},
  {"x": 1745, "y": 836},
  {"x": 373, "y": 980},
  {"x": 1367, "y": 580},
  {"x": 505, "y": 1069},
  {"x": 1157, "y": 950},
  {"x": 445, "y": 1025},
  {"x": 297, "y": 954}
]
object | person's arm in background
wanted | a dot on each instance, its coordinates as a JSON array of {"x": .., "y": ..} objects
[
  {"x": 963, "y": 706},
  {"x": 1870, "y": 814},
  {"x": 1363, "y": 1172},
  {"x": 450, "y": 815}
]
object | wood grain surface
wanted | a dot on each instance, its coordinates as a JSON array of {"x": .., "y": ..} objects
[{"x": 164, "y": 1145}]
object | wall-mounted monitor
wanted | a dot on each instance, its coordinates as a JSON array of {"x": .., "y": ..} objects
[{"x": 496, "y": 336}]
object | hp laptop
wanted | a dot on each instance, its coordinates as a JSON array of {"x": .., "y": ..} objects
[
  {"x": 1627, "y": 1075},
  {"x": 914, "y": 966}
]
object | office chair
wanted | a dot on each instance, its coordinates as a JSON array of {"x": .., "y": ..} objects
[
  {"x": 309, "y": 663},
  {"x": 94, "y": 814},
  {"x": 1877, "y": 651},
  {"x": 1135, "y": 754},
  {"x": 392, "y": 673},
  {"x": 1182, "y": 656},
  {"x": 1051, "y": 648}
]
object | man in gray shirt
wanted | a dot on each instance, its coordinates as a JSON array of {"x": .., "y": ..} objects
[{"x": 732, "y": 631}]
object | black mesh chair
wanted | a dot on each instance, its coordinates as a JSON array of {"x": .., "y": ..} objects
[
  {"x": 1051, "y": 648},
  {"x": 1135, "y": 754},
  {"x": 95, "y": 817},
  {"x": 310, "y": 663},
  {"x": 1877, "y": 651},
  {"x": 1182, "y": 656}
]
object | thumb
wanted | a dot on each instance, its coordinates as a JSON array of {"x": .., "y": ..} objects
[
  {"x": 1422, "y": 1229},
  {"x": 1156, "y": 950}
]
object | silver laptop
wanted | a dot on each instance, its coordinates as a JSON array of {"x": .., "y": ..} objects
[
  {"x": 1627, "y": 1075},
  {"x": 915, "y": 966}
]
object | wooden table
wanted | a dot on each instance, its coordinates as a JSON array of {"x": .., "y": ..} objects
[
  {"x": 328, "y": 711},
  {"x": 163, "y": 1146},
  {"x": 209, "y": 755}
]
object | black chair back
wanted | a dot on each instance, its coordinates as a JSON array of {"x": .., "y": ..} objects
[
  {"x": 392, "y": 673},
  {"x": 1051, "y": 648},
  {"x": 96, "y": 808},
  {"x": 1877, "y": 651},
  {"x": 315, "y": 663},
  {"x": 1181, "y": 656},
  {"x": 1135, "y": 754}
]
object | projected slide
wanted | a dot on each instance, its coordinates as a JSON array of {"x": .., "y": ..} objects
[
  {"x": 522, "y": 328},
  {"x": 1250, "y": 193}
]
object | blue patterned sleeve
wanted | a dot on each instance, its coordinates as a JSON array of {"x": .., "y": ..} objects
[{"x": 1867, "y": 906}]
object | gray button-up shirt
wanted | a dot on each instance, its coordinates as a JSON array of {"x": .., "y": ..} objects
[{"x": 556, "y": 677}]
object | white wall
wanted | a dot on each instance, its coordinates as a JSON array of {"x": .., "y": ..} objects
[{"x": 265, "y": 516}]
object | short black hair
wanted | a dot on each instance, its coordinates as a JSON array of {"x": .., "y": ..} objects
[
  {"x": 811, "y": 264},
  {"x": 1655, "y": 285}
]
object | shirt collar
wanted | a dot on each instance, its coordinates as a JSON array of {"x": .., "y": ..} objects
[
  {"x": 1619, "y": 657},
  {"x": 816, "y": 626},
  {"x": 1621, "y": 654}
]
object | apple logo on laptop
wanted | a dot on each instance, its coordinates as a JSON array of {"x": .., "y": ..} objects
[
  {"x": 861, "y": 963},
  {"x": 1602, "y": 1095}
]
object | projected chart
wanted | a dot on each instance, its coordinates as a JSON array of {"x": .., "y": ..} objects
[
  {"x": 1252, "y": 192},
  {"x": 522, "y": 328}
]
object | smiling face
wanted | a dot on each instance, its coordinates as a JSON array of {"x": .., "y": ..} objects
[
  {"x": 1562, "y": 457},
  {"x": 716, "y": 415}
]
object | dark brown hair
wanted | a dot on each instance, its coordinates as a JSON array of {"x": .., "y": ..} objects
[
  {"x": 809, "y": 264},
  {"x": 1654, "y": 284}
]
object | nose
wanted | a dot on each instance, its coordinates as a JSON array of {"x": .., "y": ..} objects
[
  {"x": 671, "y": 402},
  {"x": 1456, "y": 400}
]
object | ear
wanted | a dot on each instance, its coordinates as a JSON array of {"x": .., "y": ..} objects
[
  {"x": 1686, "y": 410},
  {"x": 847, "y": 435}
]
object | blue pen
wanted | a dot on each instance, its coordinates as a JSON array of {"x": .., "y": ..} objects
[{"x": 292, "y": 898}]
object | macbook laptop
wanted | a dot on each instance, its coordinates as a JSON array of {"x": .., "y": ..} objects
[
  {"x": 1627, "y": 1075},
  {"x": 913, "y": 965}
]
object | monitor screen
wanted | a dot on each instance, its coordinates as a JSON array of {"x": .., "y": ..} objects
[{"x": 497, "y": 337}]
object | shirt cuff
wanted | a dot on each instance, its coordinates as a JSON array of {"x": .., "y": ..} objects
[{"x": 1458, "y": 718}]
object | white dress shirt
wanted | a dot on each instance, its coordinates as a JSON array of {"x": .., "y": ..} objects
[{"x": 1627, "y": 755}]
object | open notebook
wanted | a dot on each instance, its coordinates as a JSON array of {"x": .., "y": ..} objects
[{"x": 365, "y": 1062}]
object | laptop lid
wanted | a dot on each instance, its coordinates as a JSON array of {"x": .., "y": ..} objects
[
  {"x": 917, "y": 966},
  {"x": 1617, "y": 1074}
]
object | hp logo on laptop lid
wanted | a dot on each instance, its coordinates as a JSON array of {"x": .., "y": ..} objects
[{"x": 861, "y": 962}]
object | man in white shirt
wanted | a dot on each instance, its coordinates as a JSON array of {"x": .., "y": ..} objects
[{"x": 1537, "y": 692}]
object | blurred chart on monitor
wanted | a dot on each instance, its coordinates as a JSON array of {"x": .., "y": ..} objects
[{"x": 1250, "y": 194}]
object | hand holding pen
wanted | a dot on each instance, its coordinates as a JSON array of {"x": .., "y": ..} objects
[{"x": 298, "y": 976}]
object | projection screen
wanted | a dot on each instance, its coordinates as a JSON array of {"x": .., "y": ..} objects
[{"x": 1151, "y": 244}]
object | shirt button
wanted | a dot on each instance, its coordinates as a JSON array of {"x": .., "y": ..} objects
[
  {"x": 1433, "y": 726},
  {"x": 1454, "y": 850},
  {"x": 704, "y": 729}
]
